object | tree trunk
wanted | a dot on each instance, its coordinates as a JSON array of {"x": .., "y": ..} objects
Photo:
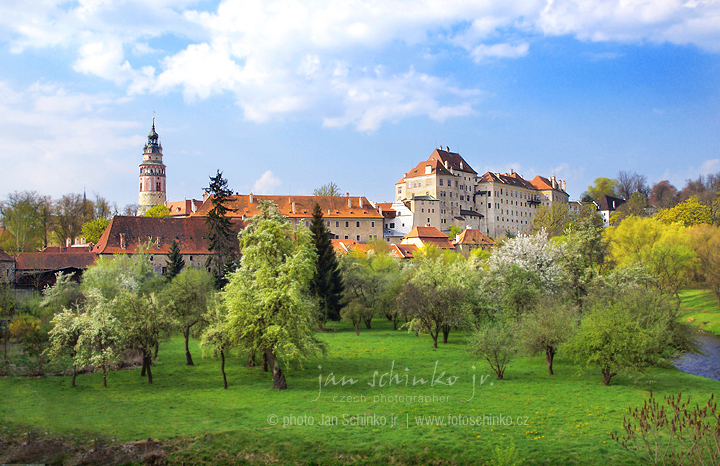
[
  {"x": 367, "y": 323},
  {"x": 222, "y": 368},
  {"x": 279, "y": 382},
  {"x": 549, "y": 355},
  {"x": 446, "y": 332},
  {"x": 357, "y": 329},
  {"x": 149, "y": 370},
  {"x": 265, "y": 363},
  {"x": 251, "y": 359},
  {"x": 72, "y": 385},
  {"x": 188, "y": 357},
  {"x": 157, "y": 348},
  {"x": 435, "y": 339},
  {"x": 144, "y": 367},
  {"x": 607, "y": 375},
  {"x": 104, "y": 375}
]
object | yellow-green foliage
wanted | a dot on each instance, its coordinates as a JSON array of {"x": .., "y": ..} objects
[
  {"x": 157, "y": 211},
  {"x": 688, "y": 213}
]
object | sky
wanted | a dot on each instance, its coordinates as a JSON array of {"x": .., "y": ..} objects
[{"x": 284, "y": 96}]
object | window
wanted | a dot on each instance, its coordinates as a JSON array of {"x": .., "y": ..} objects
[
  {"x": 357, "y": 224},
  {"x": 191, "y": 258},
  {"x": 307, "y": 224},
  {"x": 347, "y": 224},
  {"x": 372, "y": 224},
  {"x": 392, "y": 225},
  {"x": 358, "y": 238},
  {"x": 441, "y": 182},
  {"x": 337, "y": 224},
  {"x": 328, "y": 223},
  {"x": 399, "y": 189}
]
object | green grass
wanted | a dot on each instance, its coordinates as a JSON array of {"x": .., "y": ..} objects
[
  {"x": 569, "y": 416},
  {"x": 702, "y": 306}
]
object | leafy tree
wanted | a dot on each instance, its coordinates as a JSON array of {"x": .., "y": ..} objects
[
  {"x": 266, "y": 297},
  {"x": 357, "y": 313},
  {"x": 326, "y": 284},
  {"x": 453, "y": 231},
  {"x": 21, "y": 217},
  {"x": 521, "y": 290},
  {"x": 186, "y": 300},
  {"x": 29, "y": 332},
  {"x": 175, "y": 261},
  {"x": 497, "y": 342},
  {"x": 663, "y": 249},
  {"x": 217, "y": 339},
  {"x": 547, "y": 326},
  {"x": 636, "y": 205},
  {"x": 603, "y": 187},
  {"x": 363, "y": 288},
  {"x": 329, "y": 189},
  {"x": 99, "y": 343},
  {"x": 64, "y": 294},
  {"x": 93, "y": 230},
  {"x": 433, "y": 300},
  {"x": 64, "y": 337},
  {"x": 157, "y": 211},
  {"x": 689, "y": 212},
  {"x": 223, "y": 243},
  {"x": 552, "y": 219},
  {"x": 663, "y": 195},
  {"x": 584, "y": 249},
  {"x": 705, "y": 242},
  {"x": 627, "y": 330},
  {"x": 143, "y": 322}
]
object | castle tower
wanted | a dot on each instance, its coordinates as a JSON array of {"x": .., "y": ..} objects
[{"x": 152, "y": 174}]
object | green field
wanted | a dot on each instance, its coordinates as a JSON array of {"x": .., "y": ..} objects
[
  {"x": 564, "y": 419},
  {"x": 702, "y": 306}
]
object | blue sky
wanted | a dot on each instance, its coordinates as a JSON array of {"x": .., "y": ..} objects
[{"x": 284, "y": 96}]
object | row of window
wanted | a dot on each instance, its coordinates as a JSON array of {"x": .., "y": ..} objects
[{"x": 347, "y": 224}]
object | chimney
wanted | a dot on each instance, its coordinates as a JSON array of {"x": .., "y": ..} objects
[
  {"x": 461, "y": 166},
  {"x": 122, "y": 241},
  {"x": 512, "y": 171},
  {"x": 447, "y": 164},
  {"x": 289, "y": 200},
  {"x": 380, "y": 209},
  {"x": 251, "y": 198},
  {"x": 67, "y": 242},
  {"x": 360, "y": 202},
  {"x": 563, "y": 185},
  {"x": 457, "y": 238},
  {"x": 349, "y": 202},
  {"x": 293, "y": 208},
  {"x": 447, "y": 148}
]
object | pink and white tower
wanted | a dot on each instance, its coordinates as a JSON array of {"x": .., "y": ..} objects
[{"x": 152, "y": 174}]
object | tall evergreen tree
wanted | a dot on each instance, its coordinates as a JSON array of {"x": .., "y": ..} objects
[
  {"x": 326, "y": 284},
  {"x": 175, "y": 262},
  {"x": 223, "y": 242}
]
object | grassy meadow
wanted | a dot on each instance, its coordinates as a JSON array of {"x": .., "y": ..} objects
[
  {"x": 562, "y": 419},
  {"x": 702, "y": 306}
]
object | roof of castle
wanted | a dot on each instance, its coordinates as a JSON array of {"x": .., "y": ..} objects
[{"x": 246, "y": 205}]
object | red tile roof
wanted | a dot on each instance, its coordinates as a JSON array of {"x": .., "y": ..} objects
[
  {"x": 387, "y": 209},
  {"x": 54, "y": 260},
  {"x": 4, "y": 257},
  {"x": 472, "y": 236},
  {"x": 331, "y": 206},
  {"x": 430, "y": 235},
  {"x": 454, "y": 160},
  {"x": 184, "y": 208},
  {"x": 436, "y": 168},
  {"x": 189, "y": 232},
  {"x": 512, "y": 179},
  {"x": 404, "y": 251},
  {"x": 73, "y": 249}
]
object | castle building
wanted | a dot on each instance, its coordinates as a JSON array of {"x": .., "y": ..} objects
[{"x": 152, "y": 174}]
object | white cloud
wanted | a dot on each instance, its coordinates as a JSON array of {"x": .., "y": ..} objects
[
  {"x": 59, "y": 137},
  {"x": 483, "y": 51},
  {"x": 279, "y": 58},
  {"x": 266, "y": 184}
]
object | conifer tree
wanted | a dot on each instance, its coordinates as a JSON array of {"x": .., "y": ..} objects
[
  {"x": 175, "y": 262},
  {"x": 326, "y": 284},
  {"x": 223, "y": 242}
]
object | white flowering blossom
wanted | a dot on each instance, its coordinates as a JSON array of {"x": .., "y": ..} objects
[{"x": 532, "y": 253}]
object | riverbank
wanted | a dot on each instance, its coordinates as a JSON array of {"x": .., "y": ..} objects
[{"x": 700, "y": 308}]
